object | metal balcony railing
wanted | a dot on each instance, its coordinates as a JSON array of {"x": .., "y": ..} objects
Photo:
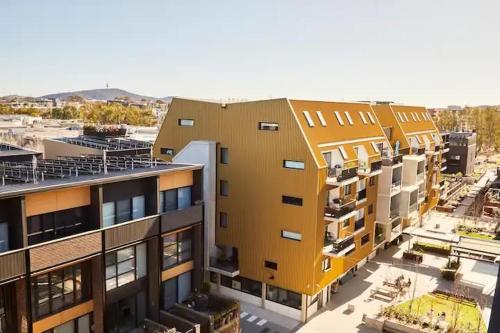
[
  {"x": 394, "y": 213},
  {"x": 379, "y": 238},
  {"x": 420, "y": 176},
  {"x": 413, "y": 207},
  {"x": 396, "y": 223},
  {"x": 340, "y": 208},
  {"x": 375, "y": 166},
  {"x": 395, "y": 184},
  {"x": 342, "y": 174},
  {"x": 396, "y": 159},
  {"x": 338, "y": 245}
]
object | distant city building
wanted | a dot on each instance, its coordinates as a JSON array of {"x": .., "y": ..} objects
[{"x": 462, "y": 154}]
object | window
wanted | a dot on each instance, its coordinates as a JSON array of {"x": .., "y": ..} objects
[
  {"x": 365, "y": 239},
  {"x": 66, "y": 287},
  {"x": 125, "y": 265},
  {"x": 299, "y": 165},
  {"x": 372, "y": 181},
  {"x": 413, "y": 116},
  {"x": 176, "y": 290},
  {"x": 83, "y": 324},
  {"x": 346, "y": 223},
  {"x": 224, "y": 188},
  {"x": 309, "y": 120},
  {"x": 363, "y": 119},
  {"x": 177, "y": 248},
  {"x": 349, "y": 119},
  {"x": 4, "y": 238},
  {"x": 108, "y": 212},
  {"x": 291, "y": 235},
  {"x": 167, "y": 151},
  {"x": 283, "y": 296},
  {"x": 123, "y": 211},
  {"x": 372, "y": 119},
  {"x": 243, "y": 284},
  {"x": 54, "y": 225},
  {"x": 271, "y": 265},
  {"x": 138, "y": 207},
  {"x": 405, "y": 116},
  {"x": 375, "y": 147},
  {"x": 291, "y": 200},
  {"x": 343, "y": 152},
  {"x": 418, "y": 117},
  {"x": 326, "y": 265},
  {"x": 339, "y": 118},
  {"x": 370, "y": 209},
  {"x": 3, "y": 314},
  {"x": 186, "y": 122},
  {"x": 265, "y": 126},
  {"x": 175, "y": 199},
  {"x": 347, "y": 189},
  {"x": 223, "y": 220},
  {"x": 224, "y": 155},
  {"x": 321, "y": 118}
]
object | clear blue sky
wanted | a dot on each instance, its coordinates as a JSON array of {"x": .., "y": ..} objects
[{"x": 423, "y": 52}]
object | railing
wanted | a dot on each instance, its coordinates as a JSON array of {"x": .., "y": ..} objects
[
  {"x": 420, "y": 176},
  {"x": 342, "y": 174},
  {"x": 396, "y": 223},
  {"x": 446, "y": 145},
  {"x": 339, "y": 246},
  {"x": 341, "y": 208},
  {"x": 394, "y": 213},
  {"x": 375, "y": 166},
  {"x": 421, "y": 195},
  {"x": 395, "y": 184},
  {"x": 229, "y": 265},
  {"x": 413, "y": 207},
  {"x": 359, "y": 224},
  {"x": 379, "y": 238},
  {"x": 361, "y": 195},
  {"x": 396, "y": 159}
]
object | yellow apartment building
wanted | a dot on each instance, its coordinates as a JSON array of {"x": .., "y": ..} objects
[
  {"x": 417, "y": 142},
  {"x": 294, "y": 187}
]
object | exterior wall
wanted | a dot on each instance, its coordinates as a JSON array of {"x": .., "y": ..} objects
[
  {"x": 255, "y": 212},
  {"x": 54, "y": 148},
  {"x": 51, "y": 201}
]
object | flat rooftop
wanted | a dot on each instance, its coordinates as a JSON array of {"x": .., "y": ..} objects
[
  {"x": 18, "y": 178},
  {"x": 7, "y": 149},
  {"x": 106, "y": 143}
]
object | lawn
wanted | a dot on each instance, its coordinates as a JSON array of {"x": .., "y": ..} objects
[
  {"x": 468, "y": 314},
  {"x": 476, "y": 235}
]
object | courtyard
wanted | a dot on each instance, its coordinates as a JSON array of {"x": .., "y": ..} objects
[{"x": 357, "y": 297}]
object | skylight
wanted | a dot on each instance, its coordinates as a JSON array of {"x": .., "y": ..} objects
[
  {"x": 309, "y": 120},
  {"x": 349, "y": 119},
  {"x": 343, "y": 152},
  {"x": 371, "y": 117},
  {"x": 339, "y": 118},
  {"x": 321, "y": 118},
  {"x": 363, "y": 117}
]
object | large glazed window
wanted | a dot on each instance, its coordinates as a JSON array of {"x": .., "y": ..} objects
[
  {"x": 4, "y": 238},
  {"x": 125, "y": 265},
  {"x": 283, "y": 296},
  {"x": 176, "y": 290},
  {"x": 80, "y": 325},
  {"x": 177, "y": 248},
  {"x": 177, "y": 198},
  {"x": 54, "y": 291}
]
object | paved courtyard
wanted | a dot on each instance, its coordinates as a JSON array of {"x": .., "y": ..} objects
[{"x": 389, "y": 265}]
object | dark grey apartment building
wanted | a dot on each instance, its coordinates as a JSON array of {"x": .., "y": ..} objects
[{"x": 462, "y": 153}]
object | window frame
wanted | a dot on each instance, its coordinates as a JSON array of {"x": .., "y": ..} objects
[
  {"x": 223, "y": 184},
  {"x": 339, "y": 118},
  {"x": 116, "y": 264},
  {"x": 309, "y": 120},
  {"x": 224, "y": 155},
  {"x": 223, "y": 223},
  {"x": 291, "y": 235},
  {"x": 268, "y": 126},
  {"x": 290, "y": 200},
  {"x": 321, "y": 118},
  {"x": 363, "y": 241},
  {"x": 362, "y": 116},
  {"x": 349, "y": 119},
  {"x": 177, "y": 244},
  {"x": 185, "y": 122},
  {"x": 372, "y": 119},
  {"x": 285, "y": 162}
]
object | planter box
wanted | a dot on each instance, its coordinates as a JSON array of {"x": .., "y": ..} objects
[{"x": 413, "y": 256}]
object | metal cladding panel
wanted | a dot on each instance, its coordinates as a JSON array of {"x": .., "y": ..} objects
[
  {"x": 12, "y": 265},
  {"x": 64, "y": 251},
  {"x": 131, "y": 232},
  {"x": 257, "y": 181},
  {"x": 177, "y": 219}
]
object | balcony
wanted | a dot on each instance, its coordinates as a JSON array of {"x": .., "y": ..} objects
[
  {"x": 446, "y": 147},
  {"x": 337, "y": 248},
  {"x": 225, "y": 266},
  {"x": 395, "y": 186},
  {"x": 341, "y": 177},
  {"x": 396, "y": 229},
  {"x": 393, "y": 214},
  {"x": 12, "y": 264},
  {"x": 359, "y": 224},
  {"x": 421, "y": 196},
  {"x": 441, "y": 184},
  {"x": 379, "y": 238},
  {"x": 396, "y": 223},
  {"x": 395, "y": 160},
  {"x": 419, "y": 151},
  {"x": 128, "y": 232},
  {"x": 341, "y": 210},
  {"x": 361, "y": 195},
  {"x": 437, "y": 148},
  {"x": 420, "y": 176},
  {"x": 412, "y": 208}
]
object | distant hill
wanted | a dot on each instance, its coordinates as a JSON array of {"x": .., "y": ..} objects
[{"x": 104, "y": 94}]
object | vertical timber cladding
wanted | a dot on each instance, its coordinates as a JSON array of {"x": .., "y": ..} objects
[
  {"x": 175, "y": 180},
  {"x": 257, "y": 181},
  {"x": 51, "y": 201}
]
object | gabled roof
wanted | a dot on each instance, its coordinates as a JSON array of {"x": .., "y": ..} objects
[{"x": 327, "y": 125}]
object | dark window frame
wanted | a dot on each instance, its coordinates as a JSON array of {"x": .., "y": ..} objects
[
  {"x": 370, "y": 209},
  {"x": 288, "y": 292},
  {"x": 75, "y": 323},
  {"x": 223, "y": 222},
  {"x": 222, "y": 192},
  {"x": 179, "y": 252},
  {"x": 371, "y": 182},
  {"x": 271, "y": 265},
  {"x": 180, "y": 120},
  {"x": 365, "y": 239},
  {"x": 163, "y": 201},
  {"x": 247, "y": 286},
  {"x": 294, "y": 201},
  {"x": 167, "y": 151},
  {"x": 264, "y": 126},
  {"x": 224, "y": 155},
  {"x": 116, "y": 264},
  {"x": 292, "y": 168}
]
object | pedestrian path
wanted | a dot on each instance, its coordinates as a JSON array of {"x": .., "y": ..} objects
[{"x": 252, "y": 321}]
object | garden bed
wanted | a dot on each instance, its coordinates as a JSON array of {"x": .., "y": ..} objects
[
  {"x": 415, "y": 256},
  {"x": 432, "y": 248},
  {"x": 450, "y": 270}
]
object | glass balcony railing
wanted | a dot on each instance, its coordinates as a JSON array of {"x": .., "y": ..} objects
[
  {"x": 379, "y": 238},
  {"x": 394, "y": 213},
  {"x": 359, "y": 224},
  {"x": 339, "y": 208},
  {"x": 338, "y": 245},
  {"x": 361, "y": 195},
  {"x": 396, "y": 223},
  {"x": 395, "y": 184},
  {"x": 420, "y": 176},
  {"x": 413, "y": 207},
  {"x": 396, "y": 159}
]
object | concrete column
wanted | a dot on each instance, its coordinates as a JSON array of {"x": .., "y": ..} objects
[{"x": 263, "y": 295}]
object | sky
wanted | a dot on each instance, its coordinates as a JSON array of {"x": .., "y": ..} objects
[{"x": 426, "y": 52}]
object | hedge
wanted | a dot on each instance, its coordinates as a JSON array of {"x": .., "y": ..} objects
[{"x": 433, "y": 248}]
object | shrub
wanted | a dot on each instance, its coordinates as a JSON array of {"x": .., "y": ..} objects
[
  {"x": 433, "y": 248},
  {"x": 413, "y": 256}
]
